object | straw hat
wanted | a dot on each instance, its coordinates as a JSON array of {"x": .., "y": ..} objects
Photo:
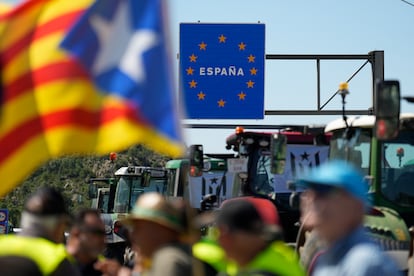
[{"x": 154, "y": 207}]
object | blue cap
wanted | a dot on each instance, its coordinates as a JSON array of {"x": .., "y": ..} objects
[{"x": 336, "y": 173}]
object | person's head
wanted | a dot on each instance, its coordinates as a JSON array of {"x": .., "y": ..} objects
[
  {"x": 154, "y": 222},
  {"x": 246, "y": 226},
  {"x": 335, "y": 199},
  {"x": 87, "y": 235},
  {"x": 45, "y": 215}
]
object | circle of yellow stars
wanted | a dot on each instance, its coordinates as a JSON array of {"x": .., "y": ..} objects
[{"x": 203, "y": 47}]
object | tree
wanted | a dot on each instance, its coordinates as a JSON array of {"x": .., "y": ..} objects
[{"x": 70, "y": 175}]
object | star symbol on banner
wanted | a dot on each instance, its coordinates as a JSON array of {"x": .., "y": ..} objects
[
  {"x": 253, "y": 71},
  {"x": 118, "y": 31},
  {"x": 222, "y": 39},
  {"x": 190, "y": 71},
  {"x": 241, "y": 95},
  {"x": 202, "y": 46},
  {"x": 242, "y": 46},
  {"x": 201, "y": 95},
  {"x": 250, "y": 84},
  {"x": 193, "y": 84},
  {"x": 305, "y": 156},
  {"x": 193, "y": 58},
  {"x": 221, "y": 103},
  {"x": 214, "y": 180}
]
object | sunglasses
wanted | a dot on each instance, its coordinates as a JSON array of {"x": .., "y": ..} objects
[{"x": 93, "y": 231}]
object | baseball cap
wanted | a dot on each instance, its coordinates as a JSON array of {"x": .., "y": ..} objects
[
  {"x": 336, "y": 174},
  {"x": 250, "y": 214},
  {"x": 152, "y": 206}
]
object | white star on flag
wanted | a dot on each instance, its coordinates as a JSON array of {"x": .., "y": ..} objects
[{"x": 122, "y": 46}]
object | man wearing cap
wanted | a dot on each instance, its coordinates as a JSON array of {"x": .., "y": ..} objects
[
  {"x": 334, "y": 205},
  {"x": 156, "y": 228},
  {"x": 250, "y": 234},
  {"x": 39, "y": 249}
]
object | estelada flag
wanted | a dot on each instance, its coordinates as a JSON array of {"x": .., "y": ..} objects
[
  {"x": 83, "y": 77},
  {"x": 4, "y": 8}
]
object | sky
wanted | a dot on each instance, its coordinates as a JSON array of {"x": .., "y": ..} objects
[
  {"x": 310, "y": 27},
  {"x": 307, "y": 27}
]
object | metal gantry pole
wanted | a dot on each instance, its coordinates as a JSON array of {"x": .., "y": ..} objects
[{"x": 376, "y": 58}]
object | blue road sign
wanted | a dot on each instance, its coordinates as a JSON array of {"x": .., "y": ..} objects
[
  {"x": 222, "y": 70},
  {"x": 4, "y": 221}
]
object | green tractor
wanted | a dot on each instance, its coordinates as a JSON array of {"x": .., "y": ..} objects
[
  {"x": 118, "y": 197},
  {"x": 101, "y": 192},
  {"x": 194, "y": 183},
  {"x": 382, "y": 147}
]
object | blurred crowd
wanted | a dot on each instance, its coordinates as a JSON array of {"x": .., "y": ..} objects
[{"x": 167, "y": 237}]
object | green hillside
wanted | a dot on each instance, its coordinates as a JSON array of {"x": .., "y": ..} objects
[{"x": 70, "y": 174}]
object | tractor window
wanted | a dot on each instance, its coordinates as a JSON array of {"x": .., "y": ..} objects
[
  {"x": 299, "y": 159},
  {"x": 137, "y": 190},
  {"x": 172, "y": 174},
  {"x": 178, "y": 185},
  {"x": 183, "y": 181},
  {"x": 356, "y": 150},
  {"x": 127, "y": 192},
  {"x": 397, "y": 169},
  {"x": 103, "y": 201},
  {"x": 261, "y": 180},
  {"x": 157, "y": 185},
  {"x": 122, "y": 196}
]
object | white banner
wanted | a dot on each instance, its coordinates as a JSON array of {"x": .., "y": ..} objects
[
  {"x": 299, "y": 160},
  {"x": 219, "y": 183}
]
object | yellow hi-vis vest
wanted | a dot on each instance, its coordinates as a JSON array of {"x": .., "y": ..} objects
[
  {"x": 277, "y": 259},
  {"x": 46, "y": 254},
  {"x": 210, "y": 252}
]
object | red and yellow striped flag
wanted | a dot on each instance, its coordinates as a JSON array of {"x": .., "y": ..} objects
[
  {"x": 4, "y": 8},
  {"x": 49, "y": 105}
]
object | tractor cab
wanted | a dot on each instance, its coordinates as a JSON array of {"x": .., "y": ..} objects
[
  {"x": 128, "y": 184},
  {"x": 266, "y": 163},
  {"x": 101, "y": 192},
  {"x": 132, "y": 181},
  {"x": 305, "y": 148}
]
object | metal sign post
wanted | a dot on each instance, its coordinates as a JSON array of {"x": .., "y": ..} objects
[{"x": 4, "y": 221}]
